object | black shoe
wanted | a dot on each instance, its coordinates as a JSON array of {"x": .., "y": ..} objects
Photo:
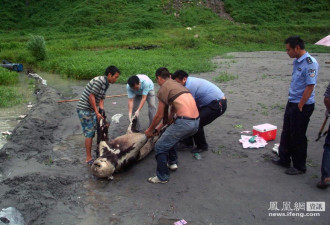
[
  {"x": 323, "y": 184},
  {"x": 182, "y": 147},
  {"x": 198, "y": 150},
  {"x": 294, "y": 171},
  {"x": 280, "y": 163}
]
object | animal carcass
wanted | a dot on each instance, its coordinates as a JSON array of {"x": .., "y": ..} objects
[{"x": 121, "y": 151}]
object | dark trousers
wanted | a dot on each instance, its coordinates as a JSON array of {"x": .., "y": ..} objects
[
  {"x": 207, "y": 114},
  {"x": 293, "y": 144},
  {"x": 325, "y": 168}
]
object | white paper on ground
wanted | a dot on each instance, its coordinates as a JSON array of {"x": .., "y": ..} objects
[{"x": 260, "y": 142}]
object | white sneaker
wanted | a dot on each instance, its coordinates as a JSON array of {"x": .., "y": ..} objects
[
  {"x": 155, "y": 180},
  {"x": 172, "y": 167}
]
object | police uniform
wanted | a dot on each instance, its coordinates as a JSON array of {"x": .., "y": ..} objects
[{"x": 293, "y": 144}]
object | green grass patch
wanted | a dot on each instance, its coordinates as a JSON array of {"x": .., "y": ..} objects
[
  {"x": 83, "y": 39},
  {"x": 10, "y": 96},
  {"x": 225, "y": 77},
  {"x": 8, "y": 77}
]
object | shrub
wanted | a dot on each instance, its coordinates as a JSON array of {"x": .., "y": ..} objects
[
  {"x": 8, "y": 77},
  {"x": 9, "y": 96},
  {"x": 37, "y": 47}
]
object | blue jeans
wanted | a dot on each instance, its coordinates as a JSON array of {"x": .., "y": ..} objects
[
  {"x": 166, "y": 145},
  {"x": 325, "y": 168}
]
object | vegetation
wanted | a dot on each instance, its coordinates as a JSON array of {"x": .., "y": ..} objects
[
  {"x": 225, "y": 77},
  {"x": 9, "y": 94},
  {"x": 37, "y": 47},
  {"x": 138, "y": 36}
]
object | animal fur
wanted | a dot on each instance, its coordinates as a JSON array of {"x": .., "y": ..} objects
[{"x": 121, "y": 151}]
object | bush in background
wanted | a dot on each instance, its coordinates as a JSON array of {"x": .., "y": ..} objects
[
  {"x": 37, "y": 47},
  {"x": 8, "y": 77}
]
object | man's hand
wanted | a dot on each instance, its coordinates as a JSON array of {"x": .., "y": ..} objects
[
  {"x": 137, "y": 112},
  {"x": 149, "y": 133},
  {"x": 99, "y": 116},
  {"x": 300, "y": 106}
]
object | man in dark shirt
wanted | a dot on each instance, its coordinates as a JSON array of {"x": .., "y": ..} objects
[{"x": 325, "y": 168}]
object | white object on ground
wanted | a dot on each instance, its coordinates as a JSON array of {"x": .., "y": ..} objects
[
  {"x": 6, "y": 133},
  {"x": 275, "y": 148},
  {"x": 259, "y": 142},
  {"x": 38, "y": 78},
  {"x": 116, "y": 118},
  {"x": 245, "y": 132},
  {"x": 12, "y": 216},
  {"x": 21, "y": 116},
  {"x": 180, "y": 222}
]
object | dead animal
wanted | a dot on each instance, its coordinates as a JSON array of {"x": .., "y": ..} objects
[{"x": 121, "y": 151}]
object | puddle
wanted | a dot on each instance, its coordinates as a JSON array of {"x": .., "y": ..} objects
[{"x": 10, "y": 117}]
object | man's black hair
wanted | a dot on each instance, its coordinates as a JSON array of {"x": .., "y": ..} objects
[
  {"x": 293, "y": 41},
  {"x": 133, "y": 80},
  {"x": 112, "y": 70},
  {"x": 163, "y": 73},
  {"x": 179, "y": 74}
]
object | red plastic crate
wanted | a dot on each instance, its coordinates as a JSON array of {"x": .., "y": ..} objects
[{"x": 266, "y": 131}]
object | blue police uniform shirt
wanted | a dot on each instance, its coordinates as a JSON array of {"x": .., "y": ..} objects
[
  {"x": 146, "y": 86},
  {"x": 305, "y": 72},
  {"x": 203, "y": 91}
]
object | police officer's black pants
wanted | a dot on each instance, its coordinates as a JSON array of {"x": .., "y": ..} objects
[
  {"x": 207, "y": 114},
  {"x": 293, "y": 144}
]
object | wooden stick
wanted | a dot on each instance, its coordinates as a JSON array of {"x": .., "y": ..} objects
[
  {"x": 321, "y": 130},
  {"x": 75, "y": 100}
]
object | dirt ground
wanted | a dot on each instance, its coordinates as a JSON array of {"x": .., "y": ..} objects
[{"x": 43, "y": 172}]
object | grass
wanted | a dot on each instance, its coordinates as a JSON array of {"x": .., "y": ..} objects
[
  {"x": 9, "y": 92},
  {"x": 225, "y": 77},
  {"x": 83, "y": 39},
  {"x": 9, "y": 96}
]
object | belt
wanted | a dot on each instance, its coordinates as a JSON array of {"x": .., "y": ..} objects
[{"x": 186, "y": 118}]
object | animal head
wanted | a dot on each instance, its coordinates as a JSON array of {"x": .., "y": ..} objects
[{"x": 102, "y": 168}]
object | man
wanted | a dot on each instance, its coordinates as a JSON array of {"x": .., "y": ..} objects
[
  {"x": 186, "y": 123},
  {"x": 91, "y": 99},
  {"x": 325, "y": 168},
  {"x": 140, "y": 89},
  {"x": 300, "y": 106},
  {"x": 211, "y": 103}
]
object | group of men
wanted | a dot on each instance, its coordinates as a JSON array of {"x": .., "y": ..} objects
[{"x": 187, "y": 104}]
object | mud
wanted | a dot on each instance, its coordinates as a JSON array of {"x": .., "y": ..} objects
[{"x": 43, "y": 172}]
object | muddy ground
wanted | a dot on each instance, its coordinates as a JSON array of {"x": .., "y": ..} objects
[{"x": 43, "y": 172}]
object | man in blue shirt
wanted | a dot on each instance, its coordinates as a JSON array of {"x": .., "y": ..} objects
[
  {"x": 300, "y": 106},
  {"x": 140, "y": 89},
  {"x": 211, "y": 103}
]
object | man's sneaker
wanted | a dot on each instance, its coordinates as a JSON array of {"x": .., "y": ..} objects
[
  {"x": 323, "y": 184},
  {"x": 155, "y": 180},
  {"x": 294, "y": 171},
  {"x": 278, "y": 162},
  {"x": 172, "y": 167},
  {"x": 198, "y": 150},
  {"x": 183, "y": 147}
]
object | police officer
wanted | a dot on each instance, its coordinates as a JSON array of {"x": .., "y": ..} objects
[{"x": 300, "y": 106}]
